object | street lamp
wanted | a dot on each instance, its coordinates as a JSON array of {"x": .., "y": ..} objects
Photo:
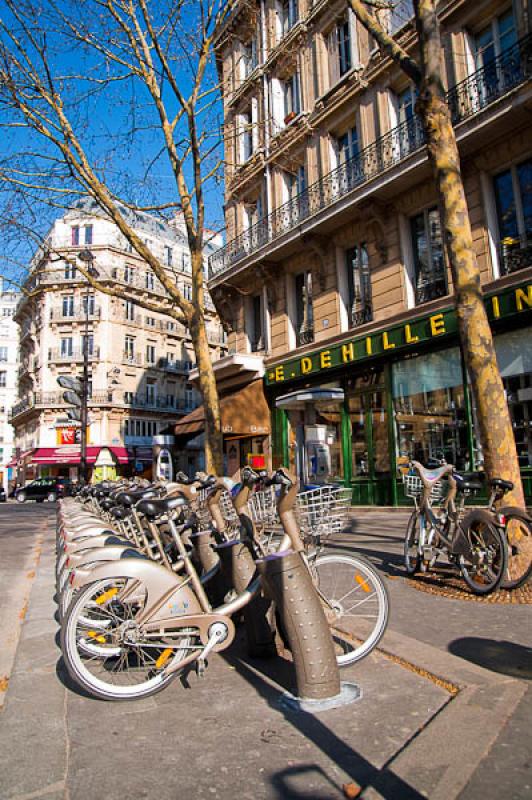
[{"x": 88, "y": 258}]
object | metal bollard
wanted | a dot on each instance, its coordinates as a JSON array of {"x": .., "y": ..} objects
[
  {"x": 287, "y": 581},
  {"x": 239, "y": 568}
]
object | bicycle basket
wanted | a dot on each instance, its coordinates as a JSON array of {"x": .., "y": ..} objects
[
  {"x": 228, "y": 510},
  {"x": 414, "y": 488},
  {"x": 322, "y": 511},
  {"x": 263, "y": 506}
]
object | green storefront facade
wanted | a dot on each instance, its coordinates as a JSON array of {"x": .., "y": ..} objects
[{"x": 351, "y": 411}]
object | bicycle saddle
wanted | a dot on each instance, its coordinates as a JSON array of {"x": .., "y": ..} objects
[
  {"x": 468, "y": 480},
  {"x": 119, "y": 512},
  {"x": 107, "y": 504},
  {"x": 130, "y": 498},
  {"x": 432, "y": 475},
  {"x": 156, "y": 508},
  {"x": 499, "y": 483}
]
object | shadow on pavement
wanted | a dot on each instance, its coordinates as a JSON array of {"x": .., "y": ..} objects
[
  {"x": 390, "y": 563},
  {"x": 63, "y": 676},
  {"x": 270, "y": 676},
  {"x": 504, "y": 657}
]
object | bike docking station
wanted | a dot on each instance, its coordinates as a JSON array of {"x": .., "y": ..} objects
[{"x": 287, "y": 582}]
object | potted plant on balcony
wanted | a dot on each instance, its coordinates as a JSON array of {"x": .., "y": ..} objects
[{"x": 289, "y": 117}]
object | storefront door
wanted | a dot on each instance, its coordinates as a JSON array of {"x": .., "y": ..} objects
[{"x": 370, "y": 464}]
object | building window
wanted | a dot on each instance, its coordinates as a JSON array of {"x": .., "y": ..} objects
[
  {"x": 304, "y": 309},
  {"x": 185, "y": 262},
  {"x": 170, "y": 326},
  {"x": 246, "y": 128},
  {"x": 70, "y": 272},
  {"x": 292, "y": 98},
  {"x": 513, "y": 195},
  {"x": 128, "y": 273},
  {"x": 339, "y": 48},
  {"x": 74, "y": 235},
  {"x": 189, "y": 394},
  {"x": 249, "y": 57},
  {"x": 150, "y": 322},
  {"x": 150, "y": 393},
  {"x": 88, "y": 341},
  {"x": 150, "y": 281},
  {"x": 150, "y": 354},
  {"x": 257, "y": 324},
  {"x": 3, "y": 353},
  {"x": 128, "y": 398},
  {"x": 129, "y": 347},
  {"x": 88, "y": 234},
  {"x": 398, "y": 15},
  {"x": 87, "y": 304},
  {"x": 126, "y": 427},
  {"x": 187, "y": 291},
  {"x": 3, "y": 378},
  {"x": 289, "y": 14},
  {"x": 429, "y": 262},
  {"x": 360, "y": 308},
  {"x": 129, "y": 310},
  {"x": 168, "y": 254},
  {"x": 66, "y": 348},
  {"x": 493, "y": 40},
  {"x": 68, "y": 306}
]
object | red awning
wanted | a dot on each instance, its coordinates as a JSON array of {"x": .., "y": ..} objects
[
  {"x": 71, "y": 454},
  {"x": 14, "y": 461}
]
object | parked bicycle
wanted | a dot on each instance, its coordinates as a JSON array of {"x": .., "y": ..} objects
[{"x": 471, "y": 541}]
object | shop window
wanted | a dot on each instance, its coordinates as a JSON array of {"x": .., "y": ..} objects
[
  {"x": 304, "y": 309},
  {"x": 513, "y": 195},
  {"x": 429, "y": 262},
  {"x": 360, "y": 309},
  {"x": 430, "y": 417}
]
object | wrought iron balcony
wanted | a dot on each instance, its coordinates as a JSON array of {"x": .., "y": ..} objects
[
  {"x": 75, "y": 314},
  {"x": 76, "y": 354},
  {"x": 430, "y": 287},
  {"x": 512, "y": 68},
  {"x": 360, "y": 313},
  {"x": 305, "y": 335}
]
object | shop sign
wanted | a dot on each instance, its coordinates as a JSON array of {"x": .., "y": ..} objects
[
  {"x": 69, "y": 436},
  {"x": 504, "y": 304}
]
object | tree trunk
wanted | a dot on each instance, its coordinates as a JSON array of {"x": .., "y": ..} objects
[
  {"x": 496, "y": 433},
  {"x": 209, "y": 392}
]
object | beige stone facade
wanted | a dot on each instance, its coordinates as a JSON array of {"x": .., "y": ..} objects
[
  {"x": 139, "y": 360},
  {"x": 333, "y": 225}
]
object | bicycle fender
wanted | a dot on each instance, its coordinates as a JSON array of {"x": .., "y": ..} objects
[
  {"x": 516, "y": 512},
  {"x": 460, "y": 544}
]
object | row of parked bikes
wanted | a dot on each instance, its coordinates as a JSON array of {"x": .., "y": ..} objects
[{"x": 144, "y": 589}]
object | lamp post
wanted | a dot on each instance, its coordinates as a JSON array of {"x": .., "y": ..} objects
[{"x": 88, "y": 258}]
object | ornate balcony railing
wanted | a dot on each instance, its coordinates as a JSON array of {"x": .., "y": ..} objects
[
  {"x": 57, "y": 313},
  {"x": 360, "y": 313},
  {"x": 499, "y": 76},
  {"x": 516, "y": 253},
  {"x": 305, "y": 335},
  {"x": 76, "y": 354}
]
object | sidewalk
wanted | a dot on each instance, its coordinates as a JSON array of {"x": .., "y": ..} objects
[{"x": 411, "y": 735}]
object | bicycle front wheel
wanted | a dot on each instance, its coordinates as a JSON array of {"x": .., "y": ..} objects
[
  {"x": 484, "y": 566},
  {"x": 355, "y": 601},
  {"x": 518, "y": 532}
]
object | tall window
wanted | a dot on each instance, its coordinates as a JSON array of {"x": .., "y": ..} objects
[
  {"x": 129, "y": 347},
  {"x": 347, "y": 151},
  {"x": 246, "y": 126},
  {"x": 187, "y": 291},
  {"x": 150, "y": 281},
  {"x": 304, "y": 309},
  {"x": 3, "y": 353},
  {"x": 66, "y": 348},
  {"x": 168, "y": 255},
  {"x": 429, "y": 262},
  {"x": 257, "y": 337},
  {"x": 400, "y": 14},
  {"x": 290, "y": 14},
  {"x": 68, "y": 306},
  {"x": 70, "y": 272},
  {"x": 74, "y": 235},
  {"x": 249, "y": 57},
  {"x": 88, "y": 341},
  {"x": 88, "y": 304},
  {"x": 129, "y": 273},
  {"x": 292, "y": 99},
  {"x": 3, "y": 379},
  {"x": 489, "y": 44},
  {"x": 129, "y": 310},
  {"x": 88, "y": 234},
  {"x": 150, "y": 354},
  {"x": 360, "y": 308},
  {"x": 513, "y": 194},
  {"x": 494, "y": 39},
  {"x": 150, "y": 393},
  {"x": 339, "y": 48}
]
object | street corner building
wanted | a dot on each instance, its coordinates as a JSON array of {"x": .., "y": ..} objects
[{"x": 334, "y": 281}]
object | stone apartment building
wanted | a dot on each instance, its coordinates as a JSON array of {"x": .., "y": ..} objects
[
  {"x": 9, "y": 363},
  {"x": 139, "y": 361},
  {"x": 334, "y": 275}
]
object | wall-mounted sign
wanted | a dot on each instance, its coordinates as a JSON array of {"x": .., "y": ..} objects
[{"x": 504, "y": 304}]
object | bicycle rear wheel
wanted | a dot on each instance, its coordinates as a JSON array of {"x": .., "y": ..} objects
[
  {"x": 411, "y": 545},
  {"x": 518, "y": 532},
  {"x": 484, "y": 566},
  {"x": 355, "y": 601}
]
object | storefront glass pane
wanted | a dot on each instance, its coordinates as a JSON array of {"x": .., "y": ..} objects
[
  {"x": 514, "y": 356},
  {"x": 315, "y": 443},
  {"x": 430, "y": 417}
]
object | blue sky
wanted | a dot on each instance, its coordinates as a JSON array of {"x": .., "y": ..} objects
[{"x": 116, "y": 123}]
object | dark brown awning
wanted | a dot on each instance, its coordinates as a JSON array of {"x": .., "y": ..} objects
[{"x": 244, "y": 413}]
